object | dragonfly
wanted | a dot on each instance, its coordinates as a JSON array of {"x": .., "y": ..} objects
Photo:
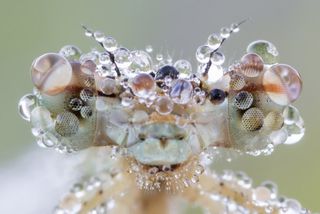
[{"x": 159, "y": 122}]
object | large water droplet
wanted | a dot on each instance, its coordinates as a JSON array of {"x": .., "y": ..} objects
[
  {"x": 282, "y": 83},
  {"x": 183, "y": 67},
  {"x": 143, "y": 85},
  {"x": 51, "y": 73},
  {"x": 266, "y": 50}
]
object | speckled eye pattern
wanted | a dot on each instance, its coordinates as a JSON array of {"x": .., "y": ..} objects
[{"x": 162, "y": 112}]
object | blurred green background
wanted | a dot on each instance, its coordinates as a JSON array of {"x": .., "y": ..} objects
[{"x": 30, "y": 28}]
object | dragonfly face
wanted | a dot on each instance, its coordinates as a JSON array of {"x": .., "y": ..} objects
[{"x": 161, "y": 114}]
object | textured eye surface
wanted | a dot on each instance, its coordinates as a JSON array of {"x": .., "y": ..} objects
[{"x": 252, "y": 119}]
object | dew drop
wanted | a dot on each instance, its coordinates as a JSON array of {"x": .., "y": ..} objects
[
  {"x": 149, "y": 49},
  {"x": 110, "y": 44},
  {"x": 203, "y": 54},
  {"x": 70, "y": 52},
  {"x": 183, "y": 67},
  {"x": 181, "y": 91},
  {"x": 266, "y": 50},
  {"x": 98, "y": 36},
  {"x": 225, "y": 32},
  {"x": 122, "y": 57},
  {"x": 164, "y": 105},
  {"x": 141, "y": 61},
  {"x": 143, "y": 85},
  {"x": 26, "y": 104},
  {"x": 214, "y": 41},
  {"x": 217, "y": 58},
  {"x": 51, "y": 73},
  {"x": 106, "y": 85}
]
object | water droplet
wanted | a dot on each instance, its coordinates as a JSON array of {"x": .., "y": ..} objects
[
  {"x": 288, "y": 83},
  {"x": 104, "y": 58},
  {"x": 235, "y": 27},
  {"x": 67, "y": 124},
  {"x": 127, "y": 99},
  {"x": 106, "y": 85},
  {"x": 122, "y": 57},
  {"x": 273, "y": 121},
  {"x": 183, "y": 67},
  {"x": 279, "y": 137},
  {"x": 51, "y": 73},
  {"x": 49, "y": 140},
  {"x": 164, "y": 105},
  {"x": 261, "y": 195},
  {"x": 295, "y": 132},
  {"x": 70, "y": 52},
  {"x": 75, "y": 104},
  {"x": 266, "y": 50},
  {"x": 214, "y": 41},
  {"x": 143, "y": 85},
  {"x": 272, "y": 187},
  {"x": 41, "y": 119},
  {"x": 203, "y": 54},
  {"x": 159, "y": 57},
  {"x": 291, "y": 115},
  {"x": 26, "y": 104},
  {"x": 98, "y": 36},
  {"x": 164, "y": 73},
  {"x": 217, "y": 58},
  {"x": 110, "y": 44},
  {"x": 251, "y": 65},
  {"x": 149, "y": 49},
  {"x": 225, "y": 32},
  {"x": 181, "y": 91},
  {"x": 141, "y": 61},
  {"x": 243, "y": 100}
]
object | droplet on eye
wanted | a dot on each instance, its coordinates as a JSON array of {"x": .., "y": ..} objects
[
  {"x": 181, "y": 91},
  {"x": 51, "y": 73},
  {"x": 252, "y": 119},
  {"x": 143, "y": 85},
  {"x": 273, "y": 120},
  {"x": 67, "y": 124},
  {"x": 164, "y": 105},
  {"x": 282, "y": 83},
  {"x": 251, "y": 65},
  {"x": 265, "y": 49},
  {"x": 243, "y": 100}
]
